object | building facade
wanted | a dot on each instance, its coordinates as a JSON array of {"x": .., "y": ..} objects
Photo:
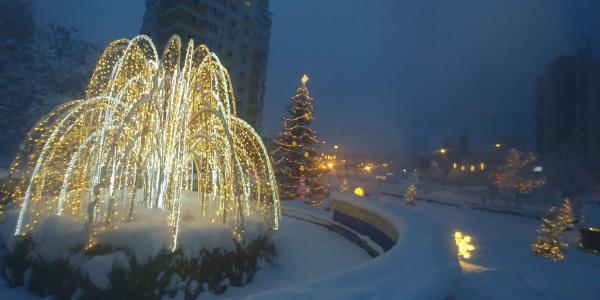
[
  {"x": 568, "y": 110},
  {"x": 238, "y": 31}
]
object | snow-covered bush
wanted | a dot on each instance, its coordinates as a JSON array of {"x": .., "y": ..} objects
[{"x": 132, "y": 261}]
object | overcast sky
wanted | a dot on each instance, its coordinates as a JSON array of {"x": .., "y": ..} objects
[{"x": 393, "y": 75}]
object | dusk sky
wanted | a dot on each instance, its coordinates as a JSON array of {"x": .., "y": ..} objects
[{"x": 393, "y": 75}]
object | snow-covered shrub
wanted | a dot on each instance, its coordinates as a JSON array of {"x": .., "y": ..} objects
[{"x": 132, "y": 261}]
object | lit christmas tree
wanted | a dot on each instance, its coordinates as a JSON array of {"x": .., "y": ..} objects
[
  {"x": 410, "y": 196},
  {"x": 565, "y": 216},
  {"x": 294, "y": 151},
  {"x": 549, "y": 244},
  {"x": 345, "y": 186},
  {"x": 517, "y": 175}
]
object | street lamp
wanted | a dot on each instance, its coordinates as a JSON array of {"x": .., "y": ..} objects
[
  {"x": 498, "y": 145},
  {"x": 443, "y": 151}
]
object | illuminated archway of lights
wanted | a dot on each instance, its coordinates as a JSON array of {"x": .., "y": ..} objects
[{"x": 148, "y": 130}]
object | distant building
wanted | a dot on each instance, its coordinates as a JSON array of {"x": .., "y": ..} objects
[
  {"x": 568, "y": 109},
  {"x": 238, "y": 31}
]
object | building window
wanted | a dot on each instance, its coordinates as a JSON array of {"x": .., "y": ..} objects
[
  {"x": 215, "y": 12},
  {"x": 212, "y": 27}
]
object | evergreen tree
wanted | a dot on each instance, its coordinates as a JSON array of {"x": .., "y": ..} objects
[
  {"x": 345, "y": 186},
  {"x": 294, "y": 152},
  {"x": 565, "y": 216},
  {"x": 550, "y": 244},
  {"x": 40, "y": 67},
  {"x": 464, "y": 148},
  {"x": 410, "y": 197}
]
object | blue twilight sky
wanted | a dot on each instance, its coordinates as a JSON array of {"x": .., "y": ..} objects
[{"x": 394, "y": 76}]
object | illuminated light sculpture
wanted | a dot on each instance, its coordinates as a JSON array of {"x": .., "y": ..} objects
[
  {"x": 148, "y": 130},
  {"x": 359, "y": 191},
  {"x": 463, "y": 244}
]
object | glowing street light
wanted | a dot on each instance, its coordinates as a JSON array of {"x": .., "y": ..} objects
[
  {"x": 443, "y": 151},
  {"x": 498, "y": 146},
  {"x": 368, "y": 168},
  {"x": 336, "y": 146}
]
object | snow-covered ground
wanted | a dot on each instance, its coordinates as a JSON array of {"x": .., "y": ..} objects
[
  {"x": 503, "y": 251},
  {"x": 502, "y": 266},
  {"x": 306, "y": 251}
]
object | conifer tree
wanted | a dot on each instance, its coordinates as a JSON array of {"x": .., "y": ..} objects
[
  {"x": 550, "y": 244},
  {"x": 344, "y": 187},
  {"x": 565, "y": 216},
  {"x": 410, "y": 196},
  {"x": 294, "y": 150}
]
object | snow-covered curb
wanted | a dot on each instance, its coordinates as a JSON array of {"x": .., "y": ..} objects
[{"x": 422, "y": 265}]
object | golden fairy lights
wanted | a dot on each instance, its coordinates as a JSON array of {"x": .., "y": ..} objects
[
  {"x": 148, "y": 130},
  {"x": 463, "y": 244}
]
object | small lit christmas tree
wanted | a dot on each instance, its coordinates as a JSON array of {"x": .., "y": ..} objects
[
  {"x": 516, "y": 175},
  {"x": 345, "y": 186},
  {"x": 565, "y": 216},
  {"x": 410, "y": 196},
  {"x": 550, "y": 244},
  {"x": 294, "y": 151}
]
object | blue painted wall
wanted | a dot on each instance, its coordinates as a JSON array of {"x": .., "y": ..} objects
[{"x": 376, "y": 235}]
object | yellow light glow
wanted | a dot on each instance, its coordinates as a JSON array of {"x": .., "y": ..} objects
[
  {"x": 472, "y": 168},
  {"x": 498, "y": 145},
  {"x": 359, "y": 191},
  {"x": 482, "y": 166},
  {"x": 335, "y": 147},
  {"x": 454, "y": 166},
  {"x": 304, "y": 81},
  {"x": 368, "y": 168},
  {"x": 463, "y": 244},
  {"x": 443, "y": 151},
  {"x": 148, "y": 130},
  {"x": 330, "y": 165},
  {"x": 462, "y": 168}
]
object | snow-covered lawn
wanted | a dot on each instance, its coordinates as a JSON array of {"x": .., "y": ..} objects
[{"x": 503, "y": 245}]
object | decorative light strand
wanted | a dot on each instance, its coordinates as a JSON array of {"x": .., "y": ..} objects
[{"x": 149, "y": 127}]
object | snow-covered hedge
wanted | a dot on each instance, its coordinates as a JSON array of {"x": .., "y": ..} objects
[
  {"x": 132, "y": 261},
  {"x": 422, "y": 265}
]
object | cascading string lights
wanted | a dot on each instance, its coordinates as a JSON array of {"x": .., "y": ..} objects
[{"x": 148, "y": 130}]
